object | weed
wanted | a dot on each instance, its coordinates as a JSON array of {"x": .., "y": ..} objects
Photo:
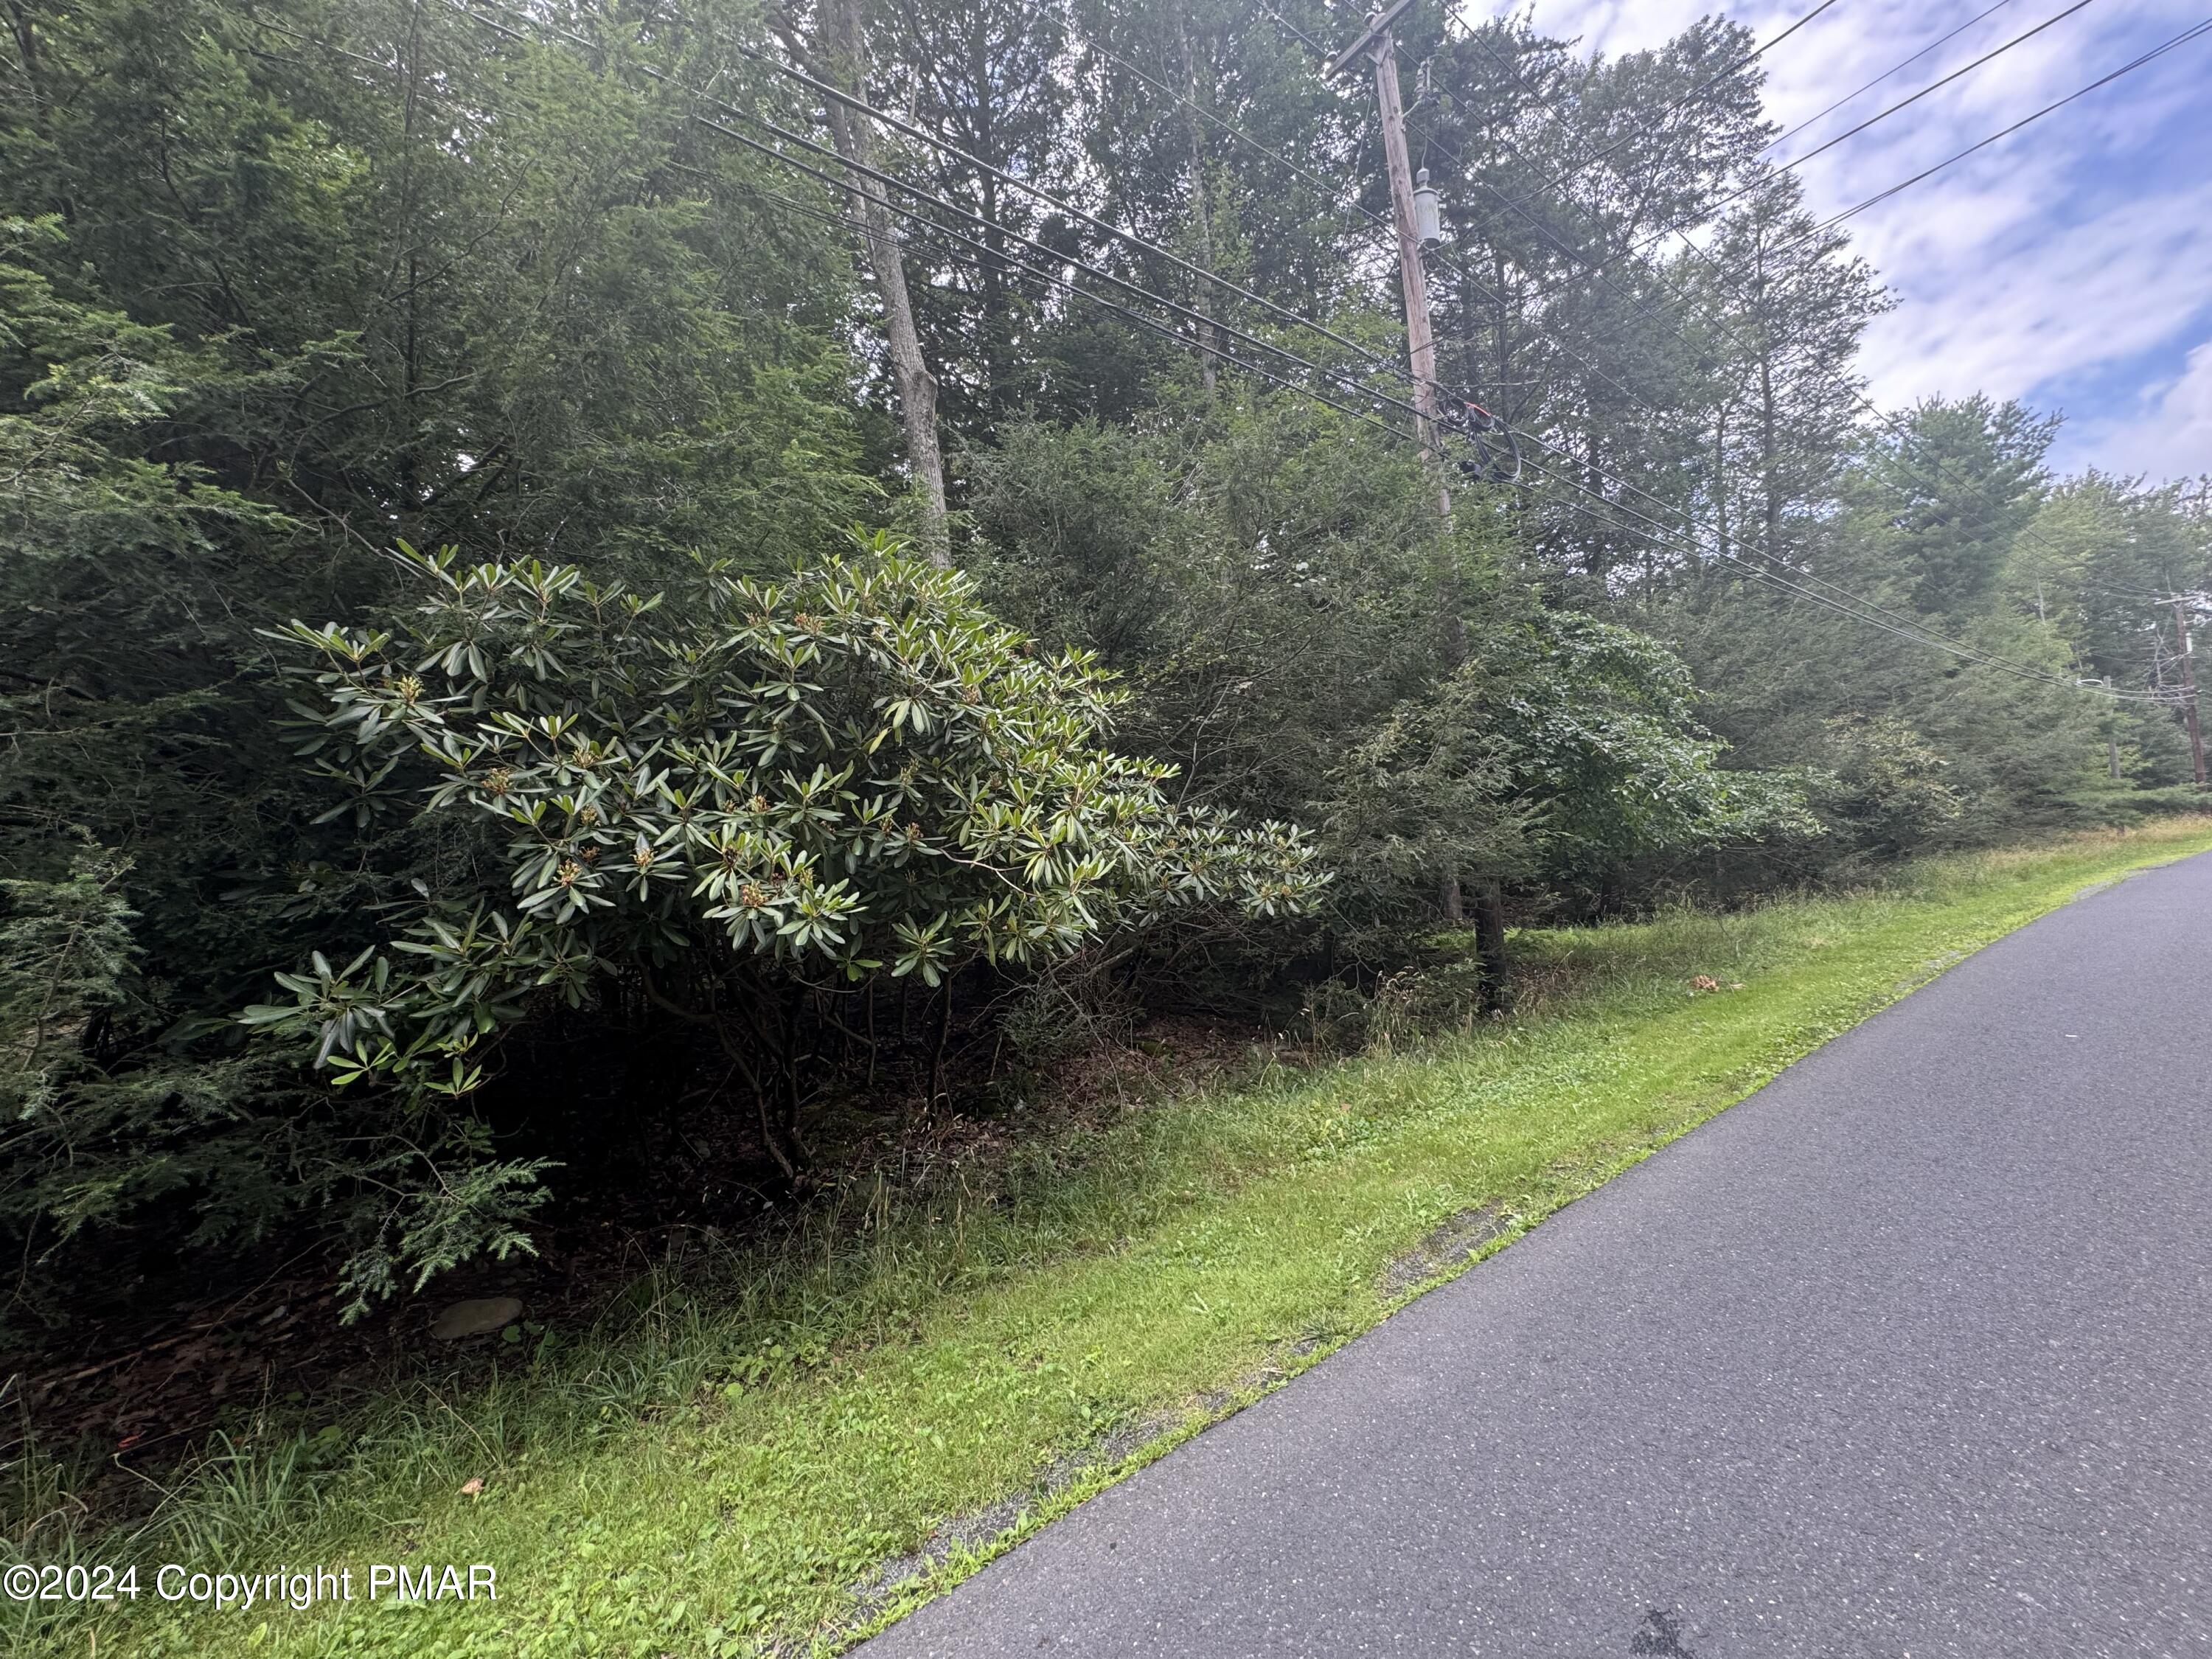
[{"x": 728, "y": 1462}]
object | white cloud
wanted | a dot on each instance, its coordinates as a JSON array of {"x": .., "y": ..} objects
[
  {"x": 2172, "y": 437},
  {"x": 2062, "y": 253},
  {"x": 2035, "y": 301}
]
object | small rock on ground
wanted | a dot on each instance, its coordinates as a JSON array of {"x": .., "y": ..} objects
[{"x": 479, "y": 1317}]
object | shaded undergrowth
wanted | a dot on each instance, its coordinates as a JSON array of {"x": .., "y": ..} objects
[{"x": 728, "y": 1458}]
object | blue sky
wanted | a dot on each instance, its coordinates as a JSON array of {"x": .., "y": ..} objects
[{"x": 2069, "y": 266}]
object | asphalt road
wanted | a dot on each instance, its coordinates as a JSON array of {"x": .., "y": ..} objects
[{"x": 1911, "y": 1354}]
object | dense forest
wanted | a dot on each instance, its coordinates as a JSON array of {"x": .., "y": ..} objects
[{"x": 594, "y": 588}]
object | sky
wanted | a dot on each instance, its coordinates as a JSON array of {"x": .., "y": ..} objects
[{"x": 2069, "y": 266}]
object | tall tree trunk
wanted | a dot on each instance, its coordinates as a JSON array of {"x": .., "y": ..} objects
[
  {"x": 1720, "y": 485},
  {"x": 1200, "y": 210},
  {"x": 1501, "y": 348},
  {"x": 1769, "y": 461},
  {"x": 1489, "y": 943},
  {"x": 843, "y": 63}
]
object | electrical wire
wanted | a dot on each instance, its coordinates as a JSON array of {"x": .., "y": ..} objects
[
  {"x": 893, "y": 181},
  {"x": 1014, "y": 263},
  {"x": 1023, "y": 269},
  {"x": 1517, "y": 206},
  {"x": 1014, "y": 182},
  {"x": 1944, "y": 39},
  {"x": 1936, "y": 640},
  {"x": 1379, "y": 221},
  {"x": 946, "y": 146},
  {"x": 1319, "y": 50},
  {"x": 1858, "y": 393},
  {"x": 1915, "y": 635},
  {"x": 1964, "y": 70},
  {"x": 1665, "y": 321},
  {"x": 1334, "y": 190},
  {"x": 1925, "y": 637},
  {"x": 2196, "y": 31},
  {"x": 1869, "y": 612},
  {"x": 2182, "y": 38},
  {"x": 1586, "y": 162}
]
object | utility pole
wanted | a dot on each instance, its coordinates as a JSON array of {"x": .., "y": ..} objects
[
  {"x": 2181, "y": 602},
  {"x": 1375, "y": 41}
]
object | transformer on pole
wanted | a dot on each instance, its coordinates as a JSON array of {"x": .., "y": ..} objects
[{"x": 1374, "y": 42}]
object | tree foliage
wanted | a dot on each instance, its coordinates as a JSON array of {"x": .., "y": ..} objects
[
  {"x": 644, "y": 796},
  {"x": 744, "y": 794}
]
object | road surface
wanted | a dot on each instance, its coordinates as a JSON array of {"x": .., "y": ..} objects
[{"x": 1911, "y": 1354}]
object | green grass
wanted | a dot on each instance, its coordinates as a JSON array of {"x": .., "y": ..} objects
[{"x": 752, "y": 1435}]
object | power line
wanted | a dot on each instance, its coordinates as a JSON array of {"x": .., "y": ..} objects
[
  {"x": 1758, "y": 575},
  {"x": 1858, "y": 393},
  {"x": 1338, "y": 193},
  {"x": 2183, "y": 38},
  {"x": 1377, "y": 219},
  {"x": 1670, "y": 323},
  {"x": 1944, "y": 39},
  {"x": 1011, "y": 180},
  {"x": 1918, "y": 635},
  {"x": 1014, "y": 182},
  {"x": 1343, "y": 379},
  {"x": 1922, "y": 636},
  {"x": 1335, "y": 193},
  {"x": 1025, "y": 269},
  {"x": 1870, "y": 615},
  {"x": 816, "y": 84},
  {"x": 1994, "y": 53},
  {"x": 893, "y": 181},
  {"x": 1929, "y": 637},
  {"x": 1915, "y": 635},
  {"x": 1871, "y": 610},
  {"x": 1605, "y": 277},
  {"x": 1683, "y": 102},
  {"x": 1319, "y": 50},
  {"x": 2194, "y": 32}
]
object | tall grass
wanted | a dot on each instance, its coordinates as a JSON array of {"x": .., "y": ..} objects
[{"x": 747, "y": 1430}]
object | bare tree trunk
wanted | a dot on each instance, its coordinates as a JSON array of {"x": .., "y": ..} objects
[
  {"x": 1720, "y": 477},
  {"x": 1198, "y": 208},
  {"x": 1770, "y": 460},
  {"x": 843, "y": 62},
  {"x": 1490, "y": 941}
]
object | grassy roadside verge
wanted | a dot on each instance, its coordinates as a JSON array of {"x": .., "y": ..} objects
[{"x": 764, "y": 1434}]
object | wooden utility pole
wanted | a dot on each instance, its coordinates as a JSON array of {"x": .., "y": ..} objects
[
  {"x": 2188, "y": 684},
  {"x": 1375, "y": 41},
  {"x": 843, "y": 61}
]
